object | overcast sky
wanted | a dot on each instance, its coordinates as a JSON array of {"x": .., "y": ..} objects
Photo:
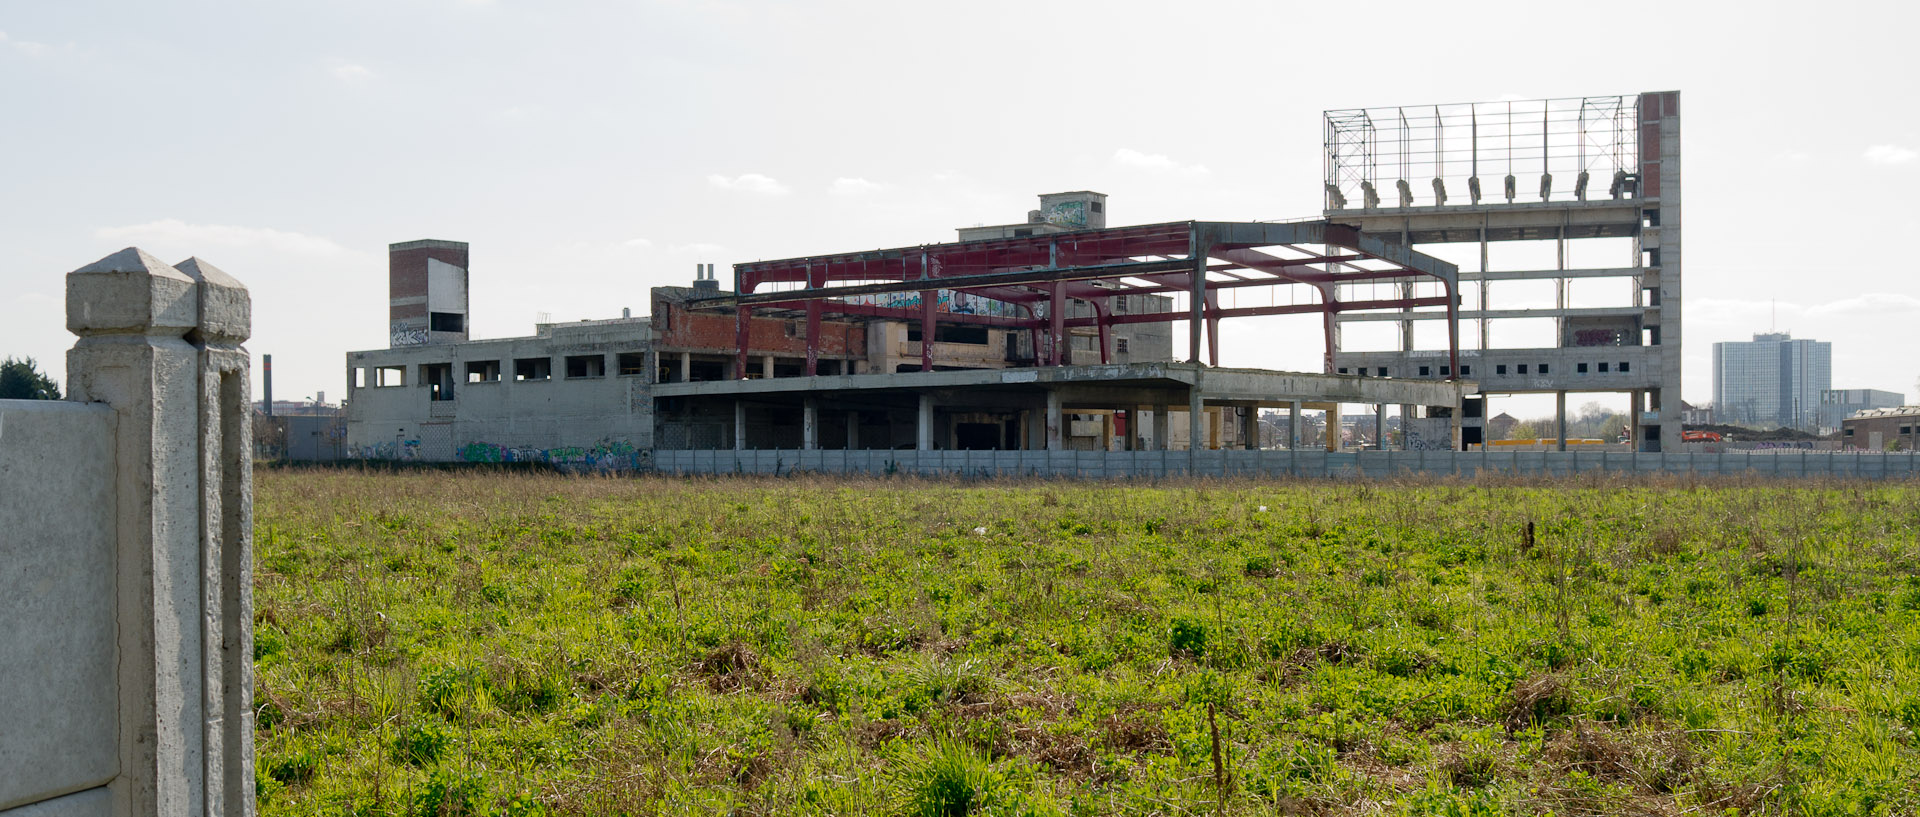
[{"x": 589, "y": 151}]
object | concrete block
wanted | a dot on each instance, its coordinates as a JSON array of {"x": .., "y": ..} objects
[
  {"x": 226, "y": 309},
  {"x": 130, "y": 292},
  {"x": 58, "y": 730},
  {"x": 96, "y": 802}
]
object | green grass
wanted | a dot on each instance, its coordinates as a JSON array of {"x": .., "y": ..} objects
[{"x": 493, "y": 643}]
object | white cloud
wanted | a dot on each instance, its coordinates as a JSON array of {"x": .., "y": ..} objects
[
  {"x": 1156, "y": 162},
  {"x": 1791, "y": 157},
  {"x": 352, "y": 72},
  {"x": 27, "y": 47},
  {"x": 844, "y": 186},
  {"x": 698, "y": 248},
  {"x": 637, "y": 243},
  {"x": 1891, "y": 154},
  {"x": 750, "y": 183},
  {"x": 1872, "y": 303},
  {"x": 173, "y": 236}
]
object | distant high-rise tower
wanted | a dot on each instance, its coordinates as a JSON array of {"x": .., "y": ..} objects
[
  {"x": 427, "y": 291},
  {"x": 1773, "y": 381}
]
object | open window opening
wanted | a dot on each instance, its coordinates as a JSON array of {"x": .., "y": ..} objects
[
  {"x": 586, "y": 366},
  {"x": 632, "y": 363},
  {"x": 532, "y": 368},
  {"x": 483, "y": 371},
  {"x": 389, "y": 376},
  {"x": 446, "y": 322}
]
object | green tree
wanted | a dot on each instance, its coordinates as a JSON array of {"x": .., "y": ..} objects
[{"x": 21, "y": 380}]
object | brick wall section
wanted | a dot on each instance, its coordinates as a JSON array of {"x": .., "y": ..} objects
[
  {"x": 407, "y": 277},
  {"x": 682, "y": 329}
]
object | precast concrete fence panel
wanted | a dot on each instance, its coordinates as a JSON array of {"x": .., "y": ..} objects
[
  {"x": 125, "y": 547},
  {"x": 1307, "y": 463}
]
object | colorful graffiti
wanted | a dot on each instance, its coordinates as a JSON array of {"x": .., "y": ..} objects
[
  {"x": 605, "y": 455},
  {"x": 960, "y": 303}
]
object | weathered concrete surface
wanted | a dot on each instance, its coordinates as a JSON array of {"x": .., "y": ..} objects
[
  {"x": 90, "y": 803},
  {"x": 57, "y": 535}
]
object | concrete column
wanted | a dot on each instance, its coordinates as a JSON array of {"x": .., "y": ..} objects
[
  {"x": 1293, "y": 425},
  {"x": 1055, "y": 432},
  {"x": 1560, "y": 419},
  {"x": 1380, "y": 426},
  {"x": 686, "y": 367},
  {"x": 1250, "y": 429},
  {"x": 739, "y": 426},
  {"x": 1332, "y": 427},
  {"x": 810, "y": 424},
  {"x": 923, "y": 426},
  {"x": 853, "y": 430},
  {"x": 1196, "y": 419},
  {"x": 160, "y": 346},
  {"x": 1160, "y": 424},
  {"x": 766, "y": 367},
  {"x": 1106, "y": 432}
]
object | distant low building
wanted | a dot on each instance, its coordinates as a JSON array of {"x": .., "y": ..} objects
[
  {"x": 1501, "y": 426},
  {"x": 1884, "y": 429},
  {"x": 1693, "y": 415},
  {"x": 1839, "y": 404}
]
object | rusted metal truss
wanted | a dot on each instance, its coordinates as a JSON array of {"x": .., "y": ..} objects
[{"x": 1038, "y": 274}]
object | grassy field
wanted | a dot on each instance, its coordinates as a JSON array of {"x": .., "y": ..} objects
[{"x": 448, "y": 643}]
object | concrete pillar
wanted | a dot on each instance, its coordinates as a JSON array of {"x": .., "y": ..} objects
[
  {"x": 1293, "y": 425},
  {"x": 1380, "y": 426},
  {"x": 766, "y": 367},
  {"x": 739, "y": 426},
  {"x": 1056, "y": 434},
  {"x": 1196, "y": 419},
  {"x": 1160, "y": 441},
  {"x": 1332, "y": 427},
  {"x": 1106, "y": 432},
  {"x": 923, "y": 425},
  {"x": 1560, "y": 420},
  {"x": 686, "y": 366},
  {"x": 1250, "y": 429},
  {"x": 853, "y": 430},
  {"x": 810, "y": 424},
  {"x": 160, "y": 347}
]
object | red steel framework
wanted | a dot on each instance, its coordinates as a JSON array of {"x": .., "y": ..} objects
[{"x": 1038, "y": 273}]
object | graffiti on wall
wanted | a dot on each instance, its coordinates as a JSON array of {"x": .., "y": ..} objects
[
  {"x": 400, "y": 334},
  {"x": 956, "y": 303}
]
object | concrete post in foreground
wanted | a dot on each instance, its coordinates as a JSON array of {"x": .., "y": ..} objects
[
  {"x": 1293, "y": 425},
  {"x": 160, "y": 346},
  {"x": 1160, "y": 424},
  {"x": 739, "y": 425}
]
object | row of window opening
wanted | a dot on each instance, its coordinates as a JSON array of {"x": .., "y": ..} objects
[
  {"x": 1501, "y": 369},
  {"x": 525, "y": 369}
]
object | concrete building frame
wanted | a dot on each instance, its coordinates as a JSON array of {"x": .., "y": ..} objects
[{"x": 1631, "y": 141}]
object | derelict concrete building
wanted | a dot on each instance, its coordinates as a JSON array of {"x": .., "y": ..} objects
[
  {"x": 1558, "y": 175},
  {"x": 1052, "y": 335}
]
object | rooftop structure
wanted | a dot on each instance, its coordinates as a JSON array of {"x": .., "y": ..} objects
[{"x": 1583, "y": 177}]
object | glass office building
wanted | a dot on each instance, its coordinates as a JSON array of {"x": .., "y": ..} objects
[{"x": 1771, "y": 382}]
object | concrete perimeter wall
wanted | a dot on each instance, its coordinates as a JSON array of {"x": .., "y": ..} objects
[
  {"x": 1303, "y": 463},
  {"x": 125, "y": 556}
]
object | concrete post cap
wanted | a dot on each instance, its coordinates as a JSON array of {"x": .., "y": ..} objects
[
  {"x": 226, "y": 310},
  {"x": 131, "y": 292}
]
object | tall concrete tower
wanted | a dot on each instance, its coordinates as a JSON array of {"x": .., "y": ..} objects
[
  {"x": 427, "y": 292},
  {"x": 1580, "y": 198}
]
